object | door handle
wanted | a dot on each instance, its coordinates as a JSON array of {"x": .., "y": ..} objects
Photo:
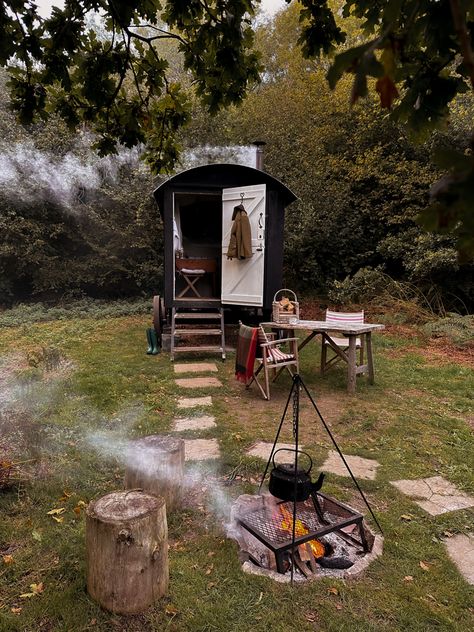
[{"x": 260, "y": 236}]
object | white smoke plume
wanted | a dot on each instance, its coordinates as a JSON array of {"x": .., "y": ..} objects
[{"x": 30, "y": 176}]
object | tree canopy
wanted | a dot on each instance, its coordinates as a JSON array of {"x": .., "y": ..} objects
[{"x": 417, "y": 55}]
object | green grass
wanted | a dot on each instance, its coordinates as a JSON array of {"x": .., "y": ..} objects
[{"x": 413, "y": 420}]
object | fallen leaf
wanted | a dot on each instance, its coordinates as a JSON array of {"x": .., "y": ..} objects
[
  {"x": 209, "y": 569},
  {"x": 27, "y": 595},
  {"x": 77, "y": 510},
  {"x": 448, "y": 534},
  {"x": 171, "y": 610},
  {"x": 338, "y": 606},
  {"x": 211, "y": 553},
  {"x": 15, "y": 610},
  {"x": 333, "y": 590},
  {"x": 58, "y": 519},
  {"x": 36, "y": 535},
  {"x": 408, "y": 578},
  {"x": 93, "y": 622},
  {"x": 37, "y": 588},
  {"x": 311, "y": 616},
  {"x": 56, "y": 512},
  {"x": 65, "y": 496},
  {"x": 211, "y": 585},
  {"x": 7, "y": 559},
  {"x": 406, "y": 517},
  {"x": 424, "y": 566}
]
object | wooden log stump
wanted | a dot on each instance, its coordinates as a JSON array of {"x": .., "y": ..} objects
[
  {"x": 155, "y": 464},
  {"x": 127, "y": 551}
]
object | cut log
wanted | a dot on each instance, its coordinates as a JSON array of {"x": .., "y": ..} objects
[
  {"x": 127, "y": 551},
  {"x": 155, "y": 464}
]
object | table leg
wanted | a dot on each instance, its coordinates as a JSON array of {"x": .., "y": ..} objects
[
  {"x": 370, "y": 360},
  {"x": 351, "y": 365}
]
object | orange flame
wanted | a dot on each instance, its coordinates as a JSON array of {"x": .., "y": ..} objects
[{"x": 317, "y": 547}]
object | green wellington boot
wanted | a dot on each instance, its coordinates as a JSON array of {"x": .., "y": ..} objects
[
  {"x": 149, "y": 351},
  {"x": 154, "y": 342}
]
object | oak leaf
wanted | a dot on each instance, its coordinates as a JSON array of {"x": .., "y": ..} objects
[
  {"x": 387, "y": 91},
  {"x": 7, "y": 559}
]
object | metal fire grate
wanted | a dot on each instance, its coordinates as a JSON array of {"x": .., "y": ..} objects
[{"x": 266, "y": 524}]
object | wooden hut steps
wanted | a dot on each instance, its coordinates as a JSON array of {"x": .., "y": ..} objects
[{"x": 194, "y": 322}]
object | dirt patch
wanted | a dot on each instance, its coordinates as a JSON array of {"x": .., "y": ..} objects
[
  {"x": 438, "y": 352},
  {"x": 261, "y": 418}
]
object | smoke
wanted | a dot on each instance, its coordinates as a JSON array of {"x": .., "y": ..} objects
[
  {"x": 28, "y": 175},
  {"x": 208, "y": 154},
  {"x": 200, "y": 480}
]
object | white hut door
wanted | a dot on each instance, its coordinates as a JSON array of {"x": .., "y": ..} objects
[{"x": 242, "y": 280}]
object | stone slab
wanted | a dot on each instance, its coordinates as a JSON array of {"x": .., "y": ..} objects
[
  {"x": 201, "y": 449},
  {"x": 461, "y": 551},
  {"x": 361, "y": 468},
  {"x": 195, "y": 367},
  {"x": 199, "y": 382},
  {"x": 435, "y": 494},
  {"x": 262, "y": 450},
  {"x": 193, "y": 423},
  {"x": 192, "y": 402}
]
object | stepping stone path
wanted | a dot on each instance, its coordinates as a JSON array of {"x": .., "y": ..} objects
[
  {"x": 193, "y": 423},
  {"x": 192, "y": 402},
  {"x": 201, "y": 449},
  {"x": 262, "y": 450},
  {"x": 435, "y": 495},
  {"x": 197, "y": 367},
  {"x": 198, "y": 382},
  {"x": 197, "y": 449},
  {"x": 361, "y": 468},
  {"x": 461, "y": 551}
]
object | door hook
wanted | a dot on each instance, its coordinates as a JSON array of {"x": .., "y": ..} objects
[{"x": 242, "y": 195}]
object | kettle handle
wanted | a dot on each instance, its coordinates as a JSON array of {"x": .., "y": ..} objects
[{"x": 293, "y": 450}]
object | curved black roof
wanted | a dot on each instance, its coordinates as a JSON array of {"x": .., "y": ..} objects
[{"x": 225, "y": 176}]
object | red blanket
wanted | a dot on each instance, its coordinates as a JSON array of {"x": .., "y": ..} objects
[{"x": 246, "y": 349}]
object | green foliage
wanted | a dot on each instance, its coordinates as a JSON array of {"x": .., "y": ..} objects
[
  {"x": 421, "y": 54},
  {"x": 458, "y": 329},
  {"x": 120, "y": 83},
  {"x": 24, "y": 314}
]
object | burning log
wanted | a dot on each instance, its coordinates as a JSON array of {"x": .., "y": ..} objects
[
  {"x": 127, "y": 551},
  {"x": 155, "y": 464}
]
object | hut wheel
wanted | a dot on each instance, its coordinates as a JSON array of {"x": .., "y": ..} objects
[{"x": 158, "y": 314}]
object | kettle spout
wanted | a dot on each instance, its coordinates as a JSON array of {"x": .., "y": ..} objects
[{"x": 319, "y": 483}]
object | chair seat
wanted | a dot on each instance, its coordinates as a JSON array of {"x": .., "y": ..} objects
[
  {"x": 342, "y": 342},
  {"x": 187, "y": 271}
]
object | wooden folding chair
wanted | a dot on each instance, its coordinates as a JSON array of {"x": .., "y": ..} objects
[
  {"x": 341, "y": 318},
  {"x": 191, "y": 271},
  {"x": 273, "y": 359}
]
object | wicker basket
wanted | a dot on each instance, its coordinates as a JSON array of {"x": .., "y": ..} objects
[{"x": 282, "y": 316}]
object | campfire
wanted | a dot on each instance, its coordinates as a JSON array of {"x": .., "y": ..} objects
[
  {"x": 339, "y": 545},
  {"x": 295, "y": 527}
]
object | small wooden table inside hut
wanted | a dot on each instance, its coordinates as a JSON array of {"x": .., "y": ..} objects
[{"x": 349, "y": 331}]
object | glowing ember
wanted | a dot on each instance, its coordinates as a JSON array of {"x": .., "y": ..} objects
[{"x": 317, "y": 547}]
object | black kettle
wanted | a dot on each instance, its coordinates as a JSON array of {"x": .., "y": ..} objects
[{"x": 282, "y": 480}]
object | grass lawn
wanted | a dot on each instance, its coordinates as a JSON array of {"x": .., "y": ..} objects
[{"x": 417, "y": 421}]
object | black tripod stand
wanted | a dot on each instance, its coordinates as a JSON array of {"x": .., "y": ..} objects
[{"x": 297, "y": 386}]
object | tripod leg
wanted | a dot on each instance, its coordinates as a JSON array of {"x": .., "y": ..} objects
[{"x": 317, "y": 507}]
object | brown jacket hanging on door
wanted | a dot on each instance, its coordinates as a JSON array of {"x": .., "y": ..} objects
[{"x": 240, "y": 244}]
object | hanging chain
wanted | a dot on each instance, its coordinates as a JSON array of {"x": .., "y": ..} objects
[{"x": 296, "y": 409}]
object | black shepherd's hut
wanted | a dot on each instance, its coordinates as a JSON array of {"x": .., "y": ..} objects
[{"x": 197, "y": 208}]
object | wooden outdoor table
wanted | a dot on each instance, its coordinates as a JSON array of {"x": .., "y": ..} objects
[{"x": 349, "y": 331}]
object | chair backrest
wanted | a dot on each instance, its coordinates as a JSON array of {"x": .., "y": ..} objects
[{"x": 345, "y": 318}]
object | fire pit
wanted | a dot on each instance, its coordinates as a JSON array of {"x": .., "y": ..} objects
[
  {"x": 296, "y": 527},
  {"x": 339, "y": 545}
]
